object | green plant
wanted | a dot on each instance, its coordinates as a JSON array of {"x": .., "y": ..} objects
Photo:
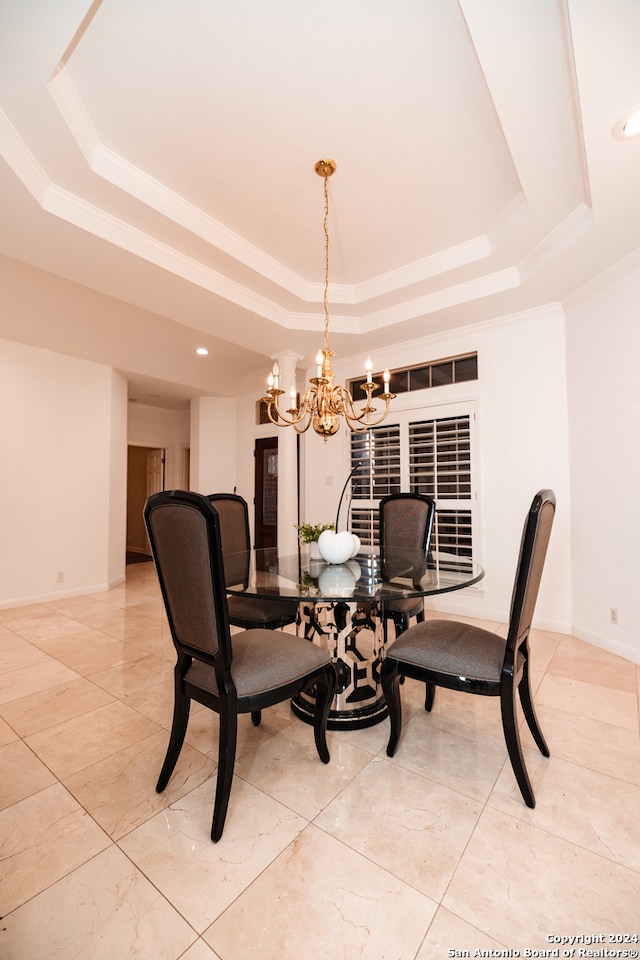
[{"x": 308, "y": 532}]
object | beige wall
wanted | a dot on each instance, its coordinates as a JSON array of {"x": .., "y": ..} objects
[
  {"x": 603, "y": 351},
  {"x": 63, "y": 477}
]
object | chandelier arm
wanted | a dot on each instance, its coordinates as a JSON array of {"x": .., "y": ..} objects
[
  {"x": 365, "y": 416},
  {"x": 291, "y": 418}
]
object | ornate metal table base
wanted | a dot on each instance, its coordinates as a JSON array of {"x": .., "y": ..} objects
[{"x": 352, "y": 633}]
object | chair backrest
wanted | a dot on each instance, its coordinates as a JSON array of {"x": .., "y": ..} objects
[
  {"x": 184, "y": 533},
  {"x": 233, "y": 515},
  {"x": 533, "y": 550},
  {"x": 406, "y": 520}
]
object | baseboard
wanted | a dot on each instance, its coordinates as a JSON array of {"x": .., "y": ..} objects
[
  {"x": 605, "y": 643},
  {"x": 61, "y": 594}
]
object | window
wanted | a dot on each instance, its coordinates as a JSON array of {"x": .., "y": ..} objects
[
  {"x": 430, "y": 454},
  {"x": 439, "y": 373}
]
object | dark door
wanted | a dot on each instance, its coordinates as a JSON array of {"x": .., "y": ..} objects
[{"x": 266, "y": 497}]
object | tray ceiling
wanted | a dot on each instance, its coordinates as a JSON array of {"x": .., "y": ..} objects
[{"x": 162, "y": 154}]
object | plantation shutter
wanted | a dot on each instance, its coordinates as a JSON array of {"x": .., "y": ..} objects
[
  {"x": 431, "y": 456},
  {"x": 440, "y": 467},
  {"x": 378, "y": 453}
]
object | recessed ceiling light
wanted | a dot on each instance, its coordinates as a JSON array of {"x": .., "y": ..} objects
[
  {"x": 202, "y": 351},
  {"x": 628, "y": 127}
]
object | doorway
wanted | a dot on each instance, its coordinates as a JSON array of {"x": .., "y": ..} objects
[
  {"x": 145, "y": 475},
  {"x": 266, "y": 493}
]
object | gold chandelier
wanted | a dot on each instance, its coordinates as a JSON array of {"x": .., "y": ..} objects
[{"x": 325, "y": 402}]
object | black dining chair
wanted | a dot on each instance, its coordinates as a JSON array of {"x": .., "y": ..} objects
[
  {"x": 406, "y": 522},
  {"x": 459, "y": 656},
  {"x": 246, "y": 612},
  {"x": 245, "y": 673}
]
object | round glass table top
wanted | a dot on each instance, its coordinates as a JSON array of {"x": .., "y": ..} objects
[{"x": 395, "y": 574}]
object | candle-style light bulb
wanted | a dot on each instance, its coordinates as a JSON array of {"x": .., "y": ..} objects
[
  {"x": 368, "y": 367},
  {"x": 386, "y": 377},
  {"x": 276, "y": 374},
  {"x": 293, "y": 395},
  {"x": 270, "y": 381},
  {"x": 319, "y": 363}
]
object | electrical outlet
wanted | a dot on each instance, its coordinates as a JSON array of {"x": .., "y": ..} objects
[
  {"x": 60, "y": 576},
  {"x": 614, "y": 614}
]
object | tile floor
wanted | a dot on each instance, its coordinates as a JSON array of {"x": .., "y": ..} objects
[{"x": 429, "y": 855}]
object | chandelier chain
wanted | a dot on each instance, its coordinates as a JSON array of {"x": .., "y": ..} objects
[{"x": 326, "y": 261}]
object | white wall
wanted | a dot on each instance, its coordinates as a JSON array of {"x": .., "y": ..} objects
[
  {"x": 168, "y": 429},
  {"x": 213, "y": 445},
  {"x": 522, "y": 447},
  {"x": 603, "y": 353},
  {"x": 63, "y": 477}
]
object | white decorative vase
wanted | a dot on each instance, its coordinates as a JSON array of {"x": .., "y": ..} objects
[{"x": 338, "y": 547}]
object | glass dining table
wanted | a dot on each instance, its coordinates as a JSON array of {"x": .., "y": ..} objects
[{"x": 341, "y": 607}]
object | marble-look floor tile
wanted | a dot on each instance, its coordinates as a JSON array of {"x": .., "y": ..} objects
[
  {"x": 55, "y": 705},
  {"x": 23, "y": 773},
  {"x": 450, "y": 933},
  {"x": 103, "y": 910},
  {"x": 27, "y": 680},
  {"x": 333, "y": 905},
  {"x": 570, "y": 863},
  {"x": 201, "y": 878},
  {"x": 119, "y": 792},
  {"x": 136, "y": 673},
  {"x": 155, "y": 702},
  {"x": 589, "y": 700},
  {"x": 130, "y": 626},
  {"x": 477, "y": 713},
  {"x": 603, "y": 810},
  {"x": 28, "y": 614},
  {"x": 598, "y": 746},
  {"x": 156, "y": 643},
  {"x": 288, "y": 768},
  {"x": 89, "y": 658},
  {"x": 48, "y": 627},
  {"x": 466, "y": 760},
  {"x": 373, "y": 740},
  {"x": 518, "y": 883},
  {"x": 200, "y": 951},
  {"x": 7, "y": 735},
  {"x": 77, "y": 743},
  {"x": 579, "y": 660},
  {"x": 76, "y": 648},
  {"x": 409, "y": 825},
  {"x": 204, "y": 726},
  {"x": 75, "y": 606},
  {"x": 42, "y": 838},
  {"x": 16, "y": 653}
]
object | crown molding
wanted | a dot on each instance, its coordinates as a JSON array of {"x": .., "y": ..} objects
[
  {"x": 21, "y": 160},
  {"x": 597, "y": 284},
  {"x": 557, "y": 240}
]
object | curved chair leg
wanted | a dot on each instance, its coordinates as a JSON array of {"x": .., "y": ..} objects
[
  {"x": 181, "y": 707},
  {"x": 391, "y": 690},
  {"x": 400, "y": 623},
  {"x": 256, "y": 717},
  {"x": 226, "y": 762},
  {"x": 325, "y": 689},
  {"x": 524, "y": 688},
  {"x": 512, "y": 739},
  {"x": 429, "y": 697}
]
